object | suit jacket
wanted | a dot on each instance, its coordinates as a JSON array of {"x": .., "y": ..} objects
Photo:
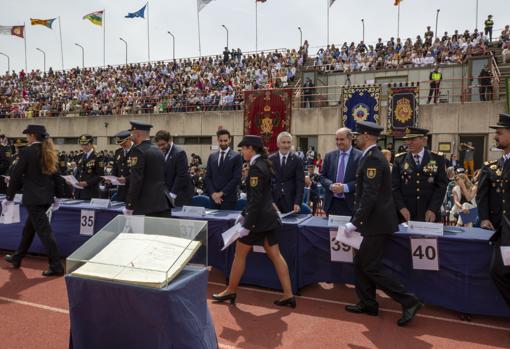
[
  {"x": 225, "y": 179},
  {"x": 419, "y": 188},
  {"x": 89, "y": 170},
  {"x": 177, "y": 178},
  {"x": 288, "y": 182},
  {"x": 374, "y": 209},
  {"x": 38, "y": 188},
  {"x": 259, "y": 213},
  {"x": 329, "y": 173},
  {"x": 147, "y": 192}
]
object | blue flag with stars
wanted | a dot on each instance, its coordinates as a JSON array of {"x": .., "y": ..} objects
[{"x": 139, "y": 13}]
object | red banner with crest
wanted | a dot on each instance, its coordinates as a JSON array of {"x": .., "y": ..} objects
[{"x": 267, "y": 113}]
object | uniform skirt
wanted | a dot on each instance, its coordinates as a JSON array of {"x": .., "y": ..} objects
[{"x": 259, "y": 237}]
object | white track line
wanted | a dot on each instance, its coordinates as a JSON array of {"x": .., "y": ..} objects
[
  {"x": 35, "y": 305},
  {"x": 476, "y": 324}
]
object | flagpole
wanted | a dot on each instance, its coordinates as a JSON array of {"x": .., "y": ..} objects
[
  {"x": 148, "y": 36},
  {"x": 104, "y": 37},
  {"x": 327, "y": 4},
  {"x": 398, "y": 22},
  {"x": 25, "y": 40},
  {"x": 61, "y": 46},
  {"x": 256, "y": 26},
  {"x": 198, "y": 22}
]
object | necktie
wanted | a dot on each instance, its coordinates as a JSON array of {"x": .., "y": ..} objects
[
  {"x": 284, "y": 161},
  {"x": 417, "y": 159},
  {"x": 222, "y": 158},
  {"x": 340, "y": 174}
]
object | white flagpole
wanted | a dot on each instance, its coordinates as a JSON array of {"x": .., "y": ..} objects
[
  {"x": 327, "y": 3},
  {"x": 256, "y": 26},
  {"x": 398, "y": 22},
  {"x": 61, "y": 46},
  {"x": 148, "y": 36},
  {"x": 25, "y": 41},
  {"x": 104, "y": 38},
  {"x": 198, "y": 22}
]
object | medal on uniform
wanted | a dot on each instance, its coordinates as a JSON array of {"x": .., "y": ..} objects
[
  {"x": 498, "y": 172},
  {"x": 406, "y": 166},
  {"x": 430, "y": 180},
  {"x": 494, "y": 167}
]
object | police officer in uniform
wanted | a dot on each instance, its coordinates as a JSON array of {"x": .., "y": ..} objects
[
  {"x": 259, "y": 222},
  {"x": 375, "y": 218},
  {"x": 147, "y": 194},
  {"x": 488, "y": 25},
  {"x": 62, "y": 163},
  {"x": 5, "y": 161},
  {"x": 120, "y": 163},
  {"x": 493, "y": 201},
  {"x": 90, "y": 170},
  {"x": 419, "y": 179}
]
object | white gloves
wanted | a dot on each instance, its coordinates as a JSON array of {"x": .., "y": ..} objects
[
  {"x": 243, "y": 232},
  {"x": 56, "y": 204},
  {"x": 349, "y": 229},
  {"x": 127, "y": 212},
  {"x": 240, "y": 219}
]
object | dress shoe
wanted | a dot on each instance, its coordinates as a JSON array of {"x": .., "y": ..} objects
[
  {"x": 361, "y": 309},
  {"x": 288, "y": 302},
  {"x": 409, "y": 313},
  {"x": 228, "y": 297},
  {"x": 15, "y": 261},
  {"x": 49, "y": 272}
]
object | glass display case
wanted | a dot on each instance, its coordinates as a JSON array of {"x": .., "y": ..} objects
[{"x": 141, "y": 250}]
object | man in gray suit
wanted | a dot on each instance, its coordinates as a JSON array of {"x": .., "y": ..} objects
[{"x": 338, "y": 175}]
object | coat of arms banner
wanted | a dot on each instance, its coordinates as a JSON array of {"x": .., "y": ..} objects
[
  {"x": 360, "y": 103},
  {"x": 402, "y": 107}
]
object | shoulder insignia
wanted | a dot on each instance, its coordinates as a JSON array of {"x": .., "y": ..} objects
[
  {"x": 400, "y": 154},
  {"x": 254, "y": 181},
  {"x": 371, "y": 172}
]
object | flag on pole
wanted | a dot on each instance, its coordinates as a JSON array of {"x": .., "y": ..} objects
[
  {"x": 202, "y": 4},
  {"x": 331, "y": 2},
  {"x": 95, "y": 17},
  {"x": 45, "y": 22},
  {"x": 397, "y": 2},
  {"x": 139, "y": 13},
  {"x": 260, "y": 0},
  {"x": 15, "y": 30}
]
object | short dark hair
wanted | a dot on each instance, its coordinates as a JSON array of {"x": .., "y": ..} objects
[
  {"x": 163, "y": 135},
  {"x": 222, "y": 131}
]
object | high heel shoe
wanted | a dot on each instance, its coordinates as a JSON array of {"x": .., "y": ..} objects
[
  {"x": 228, "y": 297},
  {"x": 290, "y": 302}
]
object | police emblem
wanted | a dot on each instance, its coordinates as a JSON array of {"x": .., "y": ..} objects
[
  {"x": 360, "y": 112},
  {"x": 499, "y": 172},
  {"x": 254, "y": 181},
  {"x": 406, "y": 166},
  {"x": 371, "y": 173},
  {"x": 403, "y": 110}
]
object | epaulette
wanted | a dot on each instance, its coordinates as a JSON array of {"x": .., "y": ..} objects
[
  {"x": 487, "y": 163},
  {"x": 439, "y": 153},
  {"x": 400, "y": 154}
]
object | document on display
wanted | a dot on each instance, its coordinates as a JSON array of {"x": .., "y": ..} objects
[{"x": 72, "y": 181}]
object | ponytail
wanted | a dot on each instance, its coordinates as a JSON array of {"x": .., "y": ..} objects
[{"x": 48, "y": 157}]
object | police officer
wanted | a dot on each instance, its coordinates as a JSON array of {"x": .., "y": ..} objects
[
  {"x": 259, "y": 222},
  {"x": 489, "y": 24},
  {"x": 5, "y": 160},
  {"x": 375, "y": 218},
  {"x": 120, "y": 163},
  {"x": 62, "y": 163},
  {"x": 147, "y": 194},
  {"x": 435, "y": 82},
  {"x": 289, "y": 177},
  {"x": 90, "y": 170},
  {"x": 493, "y": 201},
  {"x": 419, "y": 179},
  {"x": 19, "y": 144}
]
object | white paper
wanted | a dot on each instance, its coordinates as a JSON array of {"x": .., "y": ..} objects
[
  {"x": 283, "y": 215},
  {"x": 87, "y": 222},
  {"x": 505, "y": 254},
  {"x": 335, "y": 221},
  {"x": 18, "y": 198},
  {"x": 193, "y": 211},
  {"x": 113, "y": 180},
  {"x": 230, "y": 236},
  {"x": 101, "y": 203},
  {"x": 49, "y": 214},
  {"x": 354, "y": 240},
  {"x": 340, "y": 252},
  {"x": 10, "y": 214},
  {"x": 425, "y": 228},
  {"x": 72, "y": 181},
  {"x": 425, "y": 254},
  {"x": 258, "y": 249}
]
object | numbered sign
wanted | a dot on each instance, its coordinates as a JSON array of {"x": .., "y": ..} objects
[
  {"x": 339, "y": 252},
  {"x": 425, "y": 254},
  {"x": 87, "y": 221}
]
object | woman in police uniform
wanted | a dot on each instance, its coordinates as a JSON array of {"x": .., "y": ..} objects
[{"x": 259, "y": 221}]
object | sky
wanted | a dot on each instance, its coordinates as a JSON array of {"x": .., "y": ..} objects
[{"x": 278, "y": 22}]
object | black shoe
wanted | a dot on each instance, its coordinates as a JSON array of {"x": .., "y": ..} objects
[
  {"x": 49, "y": 272},
  {"x": 409, "y": 313},
  {"x": 360, "y": 309},
  {"x": 228, "y": 297},
  {"x": 14, "y": 260},
  {"x": 290, "y": 302}
]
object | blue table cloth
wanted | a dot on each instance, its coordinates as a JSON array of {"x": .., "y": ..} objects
[
  {"x": 109, "y": 315},
  {"x": 462, "y": 283}
]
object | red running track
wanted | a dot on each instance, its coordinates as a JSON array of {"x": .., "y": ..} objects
[{"x": 34, "y": 315}]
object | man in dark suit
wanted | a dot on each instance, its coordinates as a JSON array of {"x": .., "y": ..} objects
[
  {"x": 147, "y": 194},
  {"x": 338, "y": 175},
  {"x": 289, "y": 177},
  {"x": 419, "y": 179},
  {"x": 90, "y": 170},
  {"x": 120, "y": 163},
  {"x": 223, "y": 173},
  {"x": 177, "y": 179},
  {"x": 376, "y": 219}
]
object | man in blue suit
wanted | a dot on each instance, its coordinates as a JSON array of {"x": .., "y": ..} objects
[
  {"x": 338, "y": 175},
  {"x": 177, "y": 178},
  {"x": 223, "y": 173},
  {"x": 289, "y": 177}
]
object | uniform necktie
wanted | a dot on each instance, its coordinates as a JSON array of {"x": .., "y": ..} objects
[
  {"x": 222, "y": 158},
  {"x": 340, "y": 174},
  {"x": 284, "y": 161},
  {"x": 417, "y": 160}
]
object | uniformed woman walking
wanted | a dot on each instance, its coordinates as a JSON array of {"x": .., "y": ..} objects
[
  {"x": 259, "y": 222},
  {"x": 36, "y": 171}
]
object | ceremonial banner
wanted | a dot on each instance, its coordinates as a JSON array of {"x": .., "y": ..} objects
[
  {"x": 15, "y": 30},
  {"x": 139, "y": 13},
  {"x": 360, "y": 103},
  {"x": 267, "y": 113},
  {"x": 402, "y": 107},
  {"x": 45, "y": 22},
  {"x": 95, "y": 17}
]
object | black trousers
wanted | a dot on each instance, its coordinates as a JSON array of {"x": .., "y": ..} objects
[
  {"x": 37, "y": 221},
  {"x": 371, "y": 275},
  {"x": 433, "y": 91},
  {"x": 500, "y": 274}
]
